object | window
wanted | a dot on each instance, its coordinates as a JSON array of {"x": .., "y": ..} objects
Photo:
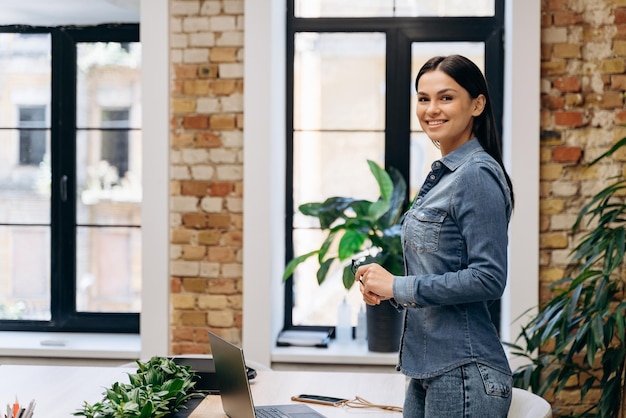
[
  {"x": 350, "y": 97},
  {"x": 32, "y": 136},
  {"x": 70, "y": 178}
]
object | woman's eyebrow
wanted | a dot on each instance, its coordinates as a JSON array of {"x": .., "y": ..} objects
[{"x": 442, "y": 91}]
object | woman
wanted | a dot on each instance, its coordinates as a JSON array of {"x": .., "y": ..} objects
[{"x": 455, "y": 240}]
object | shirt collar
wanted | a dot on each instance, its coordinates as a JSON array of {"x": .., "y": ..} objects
[{"x": 457, "y": 157}]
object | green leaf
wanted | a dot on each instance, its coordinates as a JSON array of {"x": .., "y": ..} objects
[
  {"x": 382, "y": 178},
  {"x": 347, "y": 277},
  {"x": 323, "y": 270},
  {"x": 351, "y": 243}
]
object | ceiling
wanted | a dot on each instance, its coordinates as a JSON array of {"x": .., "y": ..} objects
[{"x": 68, "y": 12}]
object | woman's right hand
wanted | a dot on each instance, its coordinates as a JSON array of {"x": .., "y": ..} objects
[{"x": 376, "y": 283}]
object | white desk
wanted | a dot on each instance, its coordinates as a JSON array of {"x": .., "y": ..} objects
[{"x": 61, "y": 390}]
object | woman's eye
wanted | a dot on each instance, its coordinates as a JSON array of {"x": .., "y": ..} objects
[
  {"x": 422, "y": 99},
  {"x": 446, "y": 98}
]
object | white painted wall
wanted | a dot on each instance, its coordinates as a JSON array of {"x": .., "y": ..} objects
[{"x": 154, "y": 35}]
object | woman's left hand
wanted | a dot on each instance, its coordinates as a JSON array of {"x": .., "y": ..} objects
[{"x": 376, "y": 283}]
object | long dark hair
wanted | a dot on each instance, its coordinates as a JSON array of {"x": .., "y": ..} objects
[{"x": 469, "y": 76}]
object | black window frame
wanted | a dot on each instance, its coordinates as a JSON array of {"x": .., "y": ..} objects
[
  {"x": 63, "y": 221},
  {"x": 400, "y": 32}
]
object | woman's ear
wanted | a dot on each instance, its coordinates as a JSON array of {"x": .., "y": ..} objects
[{"x": 478, "y": 105}]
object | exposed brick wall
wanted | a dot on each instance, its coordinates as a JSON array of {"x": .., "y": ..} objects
[
  {"x": 206, "y": 172},
  {"x": 583, "y": 82}
]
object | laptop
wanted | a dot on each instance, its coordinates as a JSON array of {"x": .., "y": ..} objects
[{"x": 230, "y": 370}]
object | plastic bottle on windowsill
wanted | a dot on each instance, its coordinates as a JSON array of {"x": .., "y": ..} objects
[
  {"x": 343, "y": 330},
  {"x": 361, "y": 325}
]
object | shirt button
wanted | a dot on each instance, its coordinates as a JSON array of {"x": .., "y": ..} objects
[
  {"x": 405, "y": 305},
  {"x": 432, "y": 176}
]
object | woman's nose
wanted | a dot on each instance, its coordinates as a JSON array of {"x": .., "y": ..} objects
[{"x": 433, "y": 108}]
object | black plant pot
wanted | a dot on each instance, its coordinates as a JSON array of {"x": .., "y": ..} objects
[{"x": 384, "y": 328}]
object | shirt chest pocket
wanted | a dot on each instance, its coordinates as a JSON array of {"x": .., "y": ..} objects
[{"x": 422, "y": 227}]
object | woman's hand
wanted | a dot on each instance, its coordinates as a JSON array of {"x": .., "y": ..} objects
[{"x": 376, "y": 283}]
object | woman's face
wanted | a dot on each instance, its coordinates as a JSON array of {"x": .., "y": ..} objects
[{"x": 445, "y": 110}]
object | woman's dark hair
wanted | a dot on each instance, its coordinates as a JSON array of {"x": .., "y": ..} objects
[{"x": 469, "y": 76}]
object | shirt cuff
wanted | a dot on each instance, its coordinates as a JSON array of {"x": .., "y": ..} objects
[{"x": 404, "y": 291}]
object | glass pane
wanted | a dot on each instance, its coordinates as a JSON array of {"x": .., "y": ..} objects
[
  {"x": 108, "y": 177},
  {"x": 339, "y": 81},
  {"x": 24, "y": 187},
  {"x": 24, "y": 273},
  {"x": 317, "y": 304},
  {"x": 423, "y": 152},
  {"x": 393, "y": 8},
  {"x": 108, "y": 269},
  {"x": 334, "y": 164},
  {"x": 25, "y": 71},
  {"x": 109, "y": 77}
]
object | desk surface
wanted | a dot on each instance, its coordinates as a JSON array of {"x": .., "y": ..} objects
[{"x": 61, "y": 390}]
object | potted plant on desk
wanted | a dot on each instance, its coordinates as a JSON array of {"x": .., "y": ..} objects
[{"x": 369, "y": 231}]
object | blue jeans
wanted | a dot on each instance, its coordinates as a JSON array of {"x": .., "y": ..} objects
[{"x": 470, "y": 391}]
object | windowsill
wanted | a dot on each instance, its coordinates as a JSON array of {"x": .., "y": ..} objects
[
  {"x": 70, "y": 345},
  {"x": 352, "y": 353}
]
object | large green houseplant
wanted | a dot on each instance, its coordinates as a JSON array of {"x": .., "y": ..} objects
[
  {"x": 580, "y": 332},
  {"x": 370, "y": 232}
]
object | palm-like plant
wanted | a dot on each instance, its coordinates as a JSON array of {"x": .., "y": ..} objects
[
  {"x": 584, "y": 322},
  {"x": 359, "y": 227}
]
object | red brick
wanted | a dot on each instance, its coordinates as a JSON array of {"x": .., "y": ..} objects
[
  {"x": 565, "y": 154},
  {"x": 620, "y": 32},
  {"x": 618, "y": 82},
  {"x": 620, "y": 15},
  {"x": 620, "y": 117},
  {"x": 572, "y": 119},
  {"x": 555, "y": 5},
  {"x": 566, "y": 18},
  {"x": 207, "y": 140},
  {"x": 552, "y": 102},
  {"x": 194, "y": 220},
  {"x": 196, "y": 122},
  {"x": 175, "y": 285},
  {"x": 194, "y": 187},
  {"x": 567, "y": 84},
  {"x": 220, "y": 188}
]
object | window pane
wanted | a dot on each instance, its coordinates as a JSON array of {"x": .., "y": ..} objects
[
  {"x": 24, "y": 189},
  {"x": 423, "y": 152},
  {"x": 108, "y": 269},
  {"x": 24, "y": 273},
  {"x": 316, "y": 304},
  {"x": 395, "y": 8},
  {"x": 109, "y": 77},
  {"x": 25, "y": 73},
  {"x": 335, "y": 164},
  {"x": 108, "y": 174},
  {"x": 339, "y": 81},
  {"x": 328, "y": 164}
]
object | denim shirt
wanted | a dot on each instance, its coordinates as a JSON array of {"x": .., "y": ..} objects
[{"x": 455, "y": 238}]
